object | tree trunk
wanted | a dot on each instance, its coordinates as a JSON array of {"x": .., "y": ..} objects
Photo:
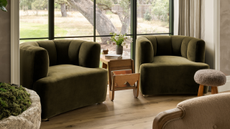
[
  {"x": 63, "y": 10},
  {"x": 125, "y": 25},
  {"x": 103, "y": 25}
]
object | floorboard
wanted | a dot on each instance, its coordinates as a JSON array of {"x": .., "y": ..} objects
[{"x": 125, "y": 112}]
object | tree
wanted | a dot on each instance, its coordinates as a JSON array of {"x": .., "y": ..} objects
[
  {"x": 161, "y": 9},
  {"x": 39, "y": 5},
  {"x": 64, "y": 4},
  {"x": 103, "y": 24},
  {"x": 26, "y": 4}
]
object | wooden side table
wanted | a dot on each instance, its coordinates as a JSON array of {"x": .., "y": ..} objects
[{"x": 120, "y": 64}]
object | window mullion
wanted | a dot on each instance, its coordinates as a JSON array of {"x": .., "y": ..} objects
[
  {"x": 133, "y": 27},
  {"x": 51, "y": 19}
]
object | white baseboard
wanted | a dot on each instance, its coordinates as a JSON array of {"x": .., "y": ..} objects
[{"x": 225, "y": 87}]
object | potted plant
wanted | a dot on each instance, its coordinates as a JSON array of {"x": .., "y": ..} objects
[
  {"x": 3, "y": 4},
  {"x": 120, "y": 41}
]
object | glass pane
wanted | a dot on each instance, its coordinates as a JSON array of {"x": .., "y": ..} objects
[
  {"x": 73, "y": 19},
  {"x": 112, "y": 16},
  {"x": 23, "y": 41},
  {"x": 152, "y": 16},
  {"x": 85, "y": 39},
  {"x": 33, "y": 18}
]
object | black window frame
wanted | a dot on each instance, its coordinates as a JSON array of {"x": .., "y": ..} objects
[{"x": 133, "y": 25}]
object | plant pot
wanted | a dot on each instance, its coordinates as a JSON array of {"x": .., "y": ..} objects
[
  {"x": 119, "y": 50},
  {"x": 29, "y": 119}
]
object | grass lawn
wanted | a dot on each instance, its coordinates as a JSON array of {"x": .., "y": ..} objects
[{"x": 36, "y": 30}]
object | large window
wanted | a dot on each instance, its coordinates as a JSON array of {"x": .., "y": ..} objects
[{"x": 94, "y": 20}]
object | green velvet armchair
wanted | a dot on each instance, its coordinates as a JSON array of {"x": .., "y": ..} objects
[
  {"x": 64, "y": 73},
  {"x": 167, "y": 64}
]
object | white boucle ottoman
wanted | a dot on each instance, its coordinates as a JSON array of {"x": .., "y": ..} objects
[
  {"x": 29, "y": 119},
  {"x": 209, "y": 77}
]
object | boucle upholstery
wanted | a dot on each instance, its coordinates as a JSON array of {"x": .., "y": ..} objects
[
  {"x": 210, "y": 77},
  {"x": 206, "y": 112}
]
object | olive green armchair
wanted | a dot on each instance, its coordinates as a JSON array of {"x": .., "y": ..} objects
[
  {"x": 64, "y": 73},
  {"x": 167, "y": 64}
]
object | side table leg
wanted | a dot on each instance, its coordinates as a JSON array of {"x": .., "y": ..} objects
[
  {"x": 111, "y": 95},
  {"x": 104, "y": 65},
  {"x": 136, "y": 90}
]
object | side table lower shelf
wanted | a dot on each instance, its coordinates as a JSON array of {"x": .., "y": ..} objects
[{"x": 125, "y": 81}]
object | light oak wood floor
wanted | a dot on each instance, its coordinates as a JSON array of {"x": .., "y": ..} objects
[{"x": 125, "y": 112}]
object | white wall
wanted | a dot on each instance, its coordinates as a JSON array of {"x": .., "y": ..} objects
[
  {"x": 212, "y": 37},
  {"x": 209, "y": 32},
  {"x": 176, "y": 16}
]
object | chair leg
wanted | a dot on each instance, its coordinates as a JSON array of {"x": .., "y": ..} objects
[
  {"x": 214, "y": 90},
  {"x": 201, "y": 90}
]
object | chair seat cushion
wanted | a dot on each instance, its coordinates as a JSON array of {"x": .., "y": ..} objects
[
  {"x": 69, "y": 87},
  {"x": 210, "y": 77},
  {"x": 169, "y": 75},
  {"x": 173, "y": 61},
  {"x": 67, "y": 71}
]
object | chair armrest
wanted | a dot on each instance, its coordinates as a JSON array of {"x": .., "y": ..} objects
[
  {"x": 144, "y": 52},
  {"x": 196, "y": 50},
  {"x": 89, "y": 54},
  {"x": 197, "y": 113},
  {"x": 163, "y": 117},
  {"x": 34, "y": 63}
]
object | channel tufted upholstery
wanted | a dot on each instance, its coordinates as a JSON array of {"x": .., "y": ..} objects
[
  {"x": 167, "y": 64},
  {"x": 64, "y": 73}
]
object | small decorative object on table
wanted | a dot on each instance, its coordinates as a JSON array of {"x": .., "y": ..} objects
[
  {"x": 113, "y": 56},
  {"x": 120, "y": 41},
  {"x": 105, "y": 51}
]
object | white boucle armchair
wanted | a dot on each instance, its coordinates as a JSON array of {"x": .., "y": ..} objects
[{"x": 206, "y": 112}]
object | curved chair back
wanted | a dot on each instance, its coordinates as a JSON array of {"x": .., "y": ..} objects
[{"x": 36, "y": 57}]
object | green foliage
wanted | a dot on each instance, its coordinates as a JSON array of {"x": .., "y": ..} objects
[
  {"x": 147, "y": 16},
  {"x": 33, "y": 4},
  {"x": 104, "y": 4},
  {"x": 58, "y": 3},
  {"x": 125, "y": 5},
  {"x": 161, "y": 9},
  {"x": 117, "y": 39},
  {"x": 26, "y": 4},
  {"x": 61, "y": 1},
  {"x": 3, "y": 4},
  {"x": 40, "y": 4},
  {"x": 120, "y": 40},
  {"x": 13, "y": 100}
]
